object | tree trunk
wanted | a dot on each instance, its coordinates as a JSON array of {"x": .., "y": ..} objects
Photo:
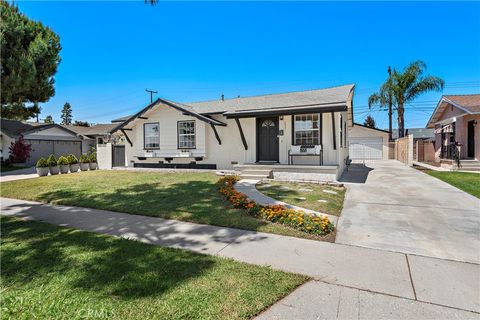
[{"x": 401, "y": 121}]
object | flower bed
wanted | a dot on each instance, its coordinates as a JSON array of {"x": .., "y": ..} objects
[{"x": 277, "y": 214}]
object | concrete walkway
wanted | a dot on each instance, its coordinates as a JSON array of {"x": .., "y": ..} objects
[
  {"x": 439, "y": 283},
  {"x": 247, "y": 187},
  {"x": 401, "y": 209},
  {"x": 20, "y": 174}
]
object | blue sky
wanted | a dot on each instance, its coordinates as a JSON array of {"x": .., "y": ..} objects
[{"x": 191, "y": 51}]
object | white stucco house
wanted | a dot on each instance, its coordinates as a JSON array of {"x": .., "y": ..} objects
[{"x": 301, "y": 133}]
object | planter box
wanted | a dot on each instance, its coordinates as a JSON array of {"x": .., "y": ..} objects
[
  {"x": 54, "y": 170},
  {"x": 84, "y": 166},
  {"x": 92, "y": 165},
  {"x": 64, "y": 168},
  {"x": 74, "y": 167},
  {"x": 42, "y": 172}
]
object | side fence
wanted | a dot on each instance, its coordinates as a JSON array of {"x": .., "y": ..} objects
[{"x": 403, "y": 150}]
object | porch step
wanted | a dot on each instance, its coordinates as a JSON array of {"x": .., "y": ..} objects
[{"x": 253, "y": 176}]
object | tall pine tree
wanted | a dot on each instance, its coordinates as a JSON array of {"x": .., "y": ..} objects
[
  {"x": 30, "y": 57},
  {"x": 66, "y": 114}
]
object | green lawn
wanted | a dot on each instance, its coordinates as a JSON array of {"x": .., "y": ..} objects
[
  {"x": 466, "y": 181},
  {"x": 186, "y": 196},
  {"x": 5, "y": 168},
  {"x": 293, "y": 193},
  {"x": 51, "y": 272}
]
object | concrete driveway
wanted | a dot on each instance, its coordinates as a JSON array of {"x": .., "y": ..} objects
[
  {"x": 20, "y": 174},
  {"x": 391, "y": 206}
]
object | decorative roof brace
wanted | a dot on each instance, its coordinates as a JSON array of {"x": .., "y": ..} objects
[
  {"x": 216, "y": 133},
  {"x": 241, "y": 134}
]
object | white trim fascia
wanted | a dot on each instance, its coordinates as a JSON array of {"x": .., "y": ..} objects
[{"x": 456, "y": 105}]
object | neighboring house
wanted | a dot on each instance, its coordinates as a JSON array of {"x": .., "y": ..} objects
[
  {"x": 45, "y": 139},
  {"x": 94, "y": 135},
  {"x": 456, "y": 120},
  {"x": 367, "y": 143},
  {"x": 256, "y": 130},
  {"x": 418, "y": 133}
]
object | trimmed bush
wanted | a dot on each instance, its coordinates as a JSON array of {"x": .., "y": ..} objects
[
  {"x": 72, "y": 159},
  {"x": 92, "y": 157},
  {"x": 52, "y": 161},
  {"x": 42, "y": 163},
  {"x": 62, "y": 161},
  {"x": 84, "y": 159}
]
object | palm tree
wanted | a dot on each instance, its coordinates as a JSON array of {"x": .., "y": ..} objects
[{"x": 404, "y": 87}]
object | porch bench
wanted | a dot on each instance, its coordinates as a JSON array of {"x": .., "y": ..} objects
[{"x": 299, "y": 151}]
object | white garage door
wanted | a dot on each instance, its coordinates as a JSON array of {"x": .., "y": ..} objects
[{"x": 370, "y": 148}]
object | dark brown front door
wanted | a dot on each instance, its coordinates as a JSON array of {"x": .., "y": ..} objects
[
  {"x": 471, "y": 139},
  {"x": 267, "y": 139}
]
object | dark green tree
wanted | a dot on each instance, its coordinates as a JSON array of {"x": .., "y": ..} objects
[
  {"x": 81, "y": 123},
  {"x": 30, "y": 57},
  {"x": 369, "y": 122},
  {"x": 404, "y": 87},
  {"x": 66, "y": 114},
  {"x": 49, "y": 119}
]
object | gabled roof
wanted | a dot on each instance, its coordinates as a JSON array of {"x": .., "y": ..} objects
[
  {"x": 468, "y": 103},
  {"x": 333, "y": 95},
  {"x": 15, "y": 128},
  {"x": 178, "y": 106}
]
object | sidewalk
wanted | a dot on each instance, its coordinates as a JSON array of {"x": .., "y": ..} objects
[{"x": 390, "y": 274}]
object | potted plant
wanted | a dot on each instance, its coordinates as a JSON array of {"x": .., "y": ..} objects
[
  {"x": 42, "y": 167},
  {"x": 73, "y": 163},
  {"x": 84, "y": 161},
  {"x": 52, "y": 163},
  {"x": 63, "y": 163},
  {"x": 93, "y": 160}
]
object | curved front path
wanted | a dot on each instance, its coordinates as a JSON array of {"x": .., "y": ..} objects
[
  {"x": 401, "y": 209},
  {"x": 247, "y": 187}
]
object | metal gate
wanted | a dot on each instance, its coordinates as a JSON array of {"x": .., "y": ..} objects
[
  {"x": 118, "y": 156},
  {"x": 366, "y": 148}
]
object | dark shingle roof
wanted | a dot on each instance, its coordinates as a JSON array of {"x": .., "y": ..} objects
[{"x": 14, "y": 128}]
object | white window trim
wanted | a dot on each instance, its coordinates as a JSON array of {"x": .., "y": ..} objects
[
  {"x": 295, "y": 130},
  {"x": 194, "y": 134},
  {"x": 145, "y": 136}
]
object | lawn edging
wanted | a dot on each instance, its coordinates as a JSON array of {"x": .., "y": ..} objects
[{"x": 299, "y": 220}]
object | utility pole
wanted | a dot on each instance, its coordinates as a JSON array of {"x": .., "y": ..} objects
[
  {"x": 151, "y": 94},
  {"x": 389, "y": 108}
]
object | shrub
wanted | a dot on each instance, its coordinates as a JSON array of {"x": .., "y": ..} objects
[
  {"x": 52, "y": 161},
  {"x": 19, "y": 151},
  {"x": 84, "y": 158},
  {"x": 42, "y": 163},
  {"x": 62, "y": 161},
  {"x": 300, "y": 220},
  {"x": 92, "y": 157},
  {"x": 72, "y": 159}
]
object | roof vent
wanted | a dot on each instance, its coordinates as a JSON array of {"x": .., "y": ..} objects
[{"x": 223, "y": 97}]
